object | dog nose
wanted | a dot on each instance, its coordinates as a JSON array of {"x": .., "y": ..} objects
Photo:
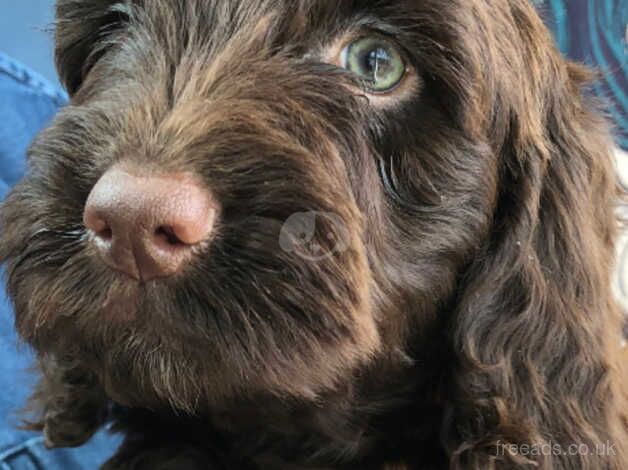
[{"x": 147, "y": 226}]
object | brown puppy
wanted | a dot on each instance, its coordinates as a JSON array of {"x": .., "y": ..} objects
[{"x": 321, "y": 234}]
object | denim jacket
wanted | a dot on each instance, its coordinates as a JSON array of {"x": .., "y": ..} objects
[{"x": 27, "y": 103}]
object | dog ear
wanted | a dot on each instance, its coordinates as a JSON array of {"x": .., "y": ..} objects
[
  {"x": 536, "y": 333},
  {"x": 82, "y": 27}
]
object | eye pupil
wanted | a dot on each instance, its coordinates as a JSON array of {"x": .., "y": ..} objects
[{"x": 376, "y": 59}]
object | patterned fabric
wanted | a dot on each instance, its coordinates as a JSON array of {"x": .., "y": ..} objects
[{"x": 595, "y": 32}]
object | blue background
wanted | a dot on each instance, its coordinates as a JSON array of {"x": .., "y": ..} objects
[{"x": 26, "y": 33}]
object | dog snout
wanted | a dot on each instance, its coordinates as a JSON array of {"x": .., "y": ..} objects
[{"x": 147, "y": 226}]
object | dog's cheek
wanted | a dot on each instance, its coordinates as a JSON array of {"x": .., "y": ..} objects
[{"x": 20, "y": 253}]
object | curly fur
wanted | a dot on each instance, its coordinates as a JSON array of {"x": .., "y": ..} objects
[{"x": 469, "y": 314}]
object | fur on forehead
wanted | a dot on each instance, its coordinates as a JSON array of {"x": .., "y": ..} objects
[{"x": 472, "y": 61}]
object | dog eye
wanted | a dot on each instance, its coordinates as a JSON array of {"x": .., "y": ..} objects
[{"x": 377, "y": 61}]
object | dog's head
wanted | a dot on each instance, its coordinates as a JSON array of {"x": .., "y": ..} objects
[{"x": 248, "y": 196}]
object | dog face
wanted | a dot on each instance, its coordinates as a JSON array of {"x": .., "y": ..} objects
[{"x": 352, "y": 152}]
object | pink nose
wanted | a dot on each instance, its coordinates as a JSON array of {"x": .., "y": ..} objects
[{"x": 148, "y": 226}]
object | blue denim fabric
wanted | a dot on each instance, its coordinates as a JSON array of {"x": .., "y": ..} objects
[{"x": 28, "y": 102}]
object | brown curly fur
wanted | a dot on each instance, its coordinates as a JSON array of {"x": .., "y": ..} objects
[{"x": 470, "y": 313}]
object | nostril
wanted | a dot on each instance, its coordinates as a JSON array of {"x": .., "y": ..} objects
[
  {"x": 98, "y": 225},
  {"x": 105, "y": 234},
  {"x": 167, "y": 234}
]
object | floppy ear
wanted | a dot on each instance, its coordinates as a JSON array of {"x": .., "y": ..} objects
[
  {"x": 82, "y": 29},
  {"x": 536, "y": 333}
]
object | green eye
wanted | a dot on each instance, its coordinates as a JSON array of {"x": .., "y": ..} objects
[{"x": 375, "y": 60}]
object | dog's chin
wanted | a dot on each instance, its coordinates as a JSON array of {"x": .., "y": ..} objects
[
  {"x": 148, "y": 373},
  {"x": 148, "y": 354}
]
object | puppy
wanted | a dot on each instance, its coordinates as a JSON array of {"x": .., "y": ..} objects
[{"x": 321, "y": 234}]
